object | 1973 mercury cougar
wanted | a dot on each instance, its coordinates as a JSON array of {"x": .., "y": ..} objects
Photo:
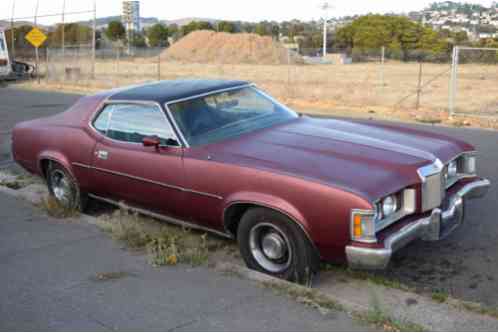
[{"x": 224, "y": 156}]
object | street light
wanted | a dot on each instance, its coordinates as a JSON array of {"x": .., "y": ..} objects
[{"x": 325, "y": 7}]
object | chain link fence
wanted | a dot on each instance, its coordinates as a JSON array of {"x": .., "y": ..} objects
[
  {"x": 474, "y": 82},
  {"x": 366, "y": 79}
]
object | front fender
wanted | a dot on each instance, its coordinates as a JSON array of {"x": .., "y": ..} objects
[{"x": 269, "y": 201}]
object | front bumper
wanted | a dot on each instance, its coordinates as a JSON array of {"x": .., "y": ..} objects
[{"x": 436, "y": 226}]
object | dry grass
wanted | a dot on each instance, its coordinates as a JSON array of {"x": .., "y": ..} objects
[
  {"x": 329, "y": 89},
  {"x": 54, "y": 209},
  {"x": 165, "y": 244}
]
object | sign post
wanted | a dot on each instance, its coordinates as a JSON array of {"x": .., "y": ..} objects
[{"x": 36, "y": 37}]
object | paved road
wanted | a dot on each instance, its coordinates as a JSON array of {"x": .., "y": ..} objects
[
  {"x": 49, "y": 282},
  {"x": 465, "y": 265}
]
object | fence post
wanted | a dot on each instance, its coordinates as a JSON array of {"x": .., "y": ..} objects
[
  {"x": 382, "y": 61},
  {"x": 47, "y": 64},
  {"x": 94, "y": 37},
  {"x": 419, "y": 85},
  {"x": 453, "y": 82},
  {"x": 288, "y": 73},
  {"x": 159, "y": 64}
]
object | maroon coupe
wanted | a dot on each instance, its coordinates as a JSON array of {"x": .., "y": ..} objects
[{"x": 224, "y": 156}]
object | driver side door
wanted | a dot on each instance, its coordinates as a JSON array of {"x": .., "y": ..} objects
[{"x": 124, "y": 169}]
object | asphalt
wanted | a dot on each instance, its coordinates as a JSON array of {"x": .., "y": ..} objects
[
  {"x": 59, "y": 276},
  {"x": 465, "y": 265}
]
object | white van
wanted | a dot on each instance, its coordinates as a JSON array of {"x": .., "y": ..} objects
[{"x": 5, "y": 65}]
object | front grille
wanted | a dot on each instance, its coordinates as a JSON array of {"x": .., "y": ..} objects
[{"x": 433, "y": 190}]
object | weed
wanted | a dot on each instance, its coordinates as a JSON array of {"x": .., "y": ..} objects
[
  {"x": 13, "y": 184},
  {"x": 439, "y": 296},
  {"x": 165, "y": 244},
  {"x": 367, "y": 276},
  {"x": 50, "y": 205},
  {"x": 130, "y": 233},
  {"x": 377, "y": 317},
  {"x": 305, "y": 296},
  {"x": 478, "y": 308}
]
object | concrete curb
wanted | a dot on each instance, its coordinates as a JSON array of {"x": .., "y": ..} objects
[
  {"x": 354, "y": 295},
  {"x": 359, "y": 296}
]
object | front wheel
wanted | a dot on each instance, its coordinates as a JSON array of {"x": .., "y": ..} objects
[{"x": 272, "y": 243}]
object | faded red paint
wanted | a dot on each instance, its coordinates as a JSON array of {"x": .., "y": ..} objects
[{"x": 298, "y": 168}]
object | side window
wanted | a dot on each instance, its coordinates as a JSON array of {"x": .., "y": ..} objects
[
  {"x": 101, "y": 124},
  {"x": 133, "y": 122}
]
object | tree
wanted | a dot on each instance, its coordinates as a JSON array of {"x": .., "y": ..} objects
[
  {"x": 115, "y": 31},
  {"x": 263, "y": 28},
  {"x": 158, "y": 35},
  {"x": 225, "y": 26},
  {"x": 403, "y": 37},
  {"x": 196, "y": 25},
  {"x": 74, "y": 34},
  {"x": 138, "y": 40}
]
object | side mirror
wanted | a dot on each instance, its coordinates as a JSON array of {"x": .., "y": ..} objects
[{"x": 151, "y": 141}]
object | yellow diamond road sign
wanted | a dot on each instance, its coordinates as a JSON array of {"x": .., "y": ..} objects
[{"x": 36, "y": 37}]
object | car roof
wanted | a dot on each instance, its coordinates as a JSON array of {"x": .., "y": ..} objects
[{"x": 172, "y": 90}]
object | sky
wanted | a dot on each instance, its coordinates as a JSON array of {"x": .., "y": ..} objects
[{"x": 245, "y": 10}]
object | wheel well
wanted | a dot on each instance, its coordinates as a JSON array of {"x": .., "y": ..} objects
[
  {"x": 44, "y": 165},
  {"x": 234, "y": 214}
]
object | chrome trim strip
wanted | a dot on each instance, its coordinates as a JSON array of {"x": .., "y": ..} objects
[
  {"x": 178, "y": 188},
  {"x": 161, "y": 217},
  {"x": 428, "y": 228},
  {"x": 430, "y": 169}
]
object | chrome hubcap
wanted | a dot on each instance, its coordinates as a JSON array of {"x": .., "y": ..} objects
[
  {"x": 60, "y": 187},
  {"x": 270, "y": 247},
  {"x": 273, "y": 246}
]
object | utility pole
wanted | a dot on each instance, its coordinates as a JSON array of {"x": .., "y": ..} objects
[
  {"x": 63, "y": 39},
  {"x": 325, "y": 7},
  {"x": 12, "y": 34},
  {"x": 36, "y": 48},
  {"x": 94, "y": 37}
]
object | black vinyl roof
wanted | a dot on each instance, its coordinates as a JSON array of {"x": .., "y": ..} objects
[{"x": 167, "y": 91}]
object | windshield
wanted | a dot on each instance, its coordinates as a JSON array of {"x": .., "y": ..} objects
[{"x": 227, "y": 114}]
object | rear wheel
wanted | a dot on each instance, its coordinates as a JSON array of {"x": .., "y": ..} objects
[
  {"x": 63, "y": 188},
  {"x": 273, "y": 244}
]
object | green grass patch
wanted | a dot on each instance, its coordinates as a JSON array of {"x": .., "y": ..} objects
[{"x": 439, "y": 296}]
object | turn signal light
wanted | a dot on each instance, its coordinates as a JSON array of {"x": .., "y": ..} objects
[{"x": 363, "y": 226}]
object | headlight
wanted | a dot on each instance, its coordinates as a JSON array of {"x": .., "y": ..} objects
[
  {"x": 452, "y": 169},
  {"x": 389, "y": 205},
  {"x": 469, "y": 164}
]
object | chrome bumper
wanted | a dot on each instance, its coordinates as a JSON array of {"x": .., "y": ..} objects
[{"x": 431, "y": 228}]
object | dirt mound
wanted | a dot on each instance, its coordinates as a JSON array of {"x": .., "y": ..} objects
[{"x": 220, "y": 47}]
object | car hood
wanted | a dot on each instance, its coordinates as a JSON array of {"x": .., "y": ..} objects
[{"x": 370, "y": 159}]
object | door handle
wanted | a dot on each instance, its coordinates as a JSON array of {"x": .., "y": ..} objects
[{"x": 102, "y": 154}]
